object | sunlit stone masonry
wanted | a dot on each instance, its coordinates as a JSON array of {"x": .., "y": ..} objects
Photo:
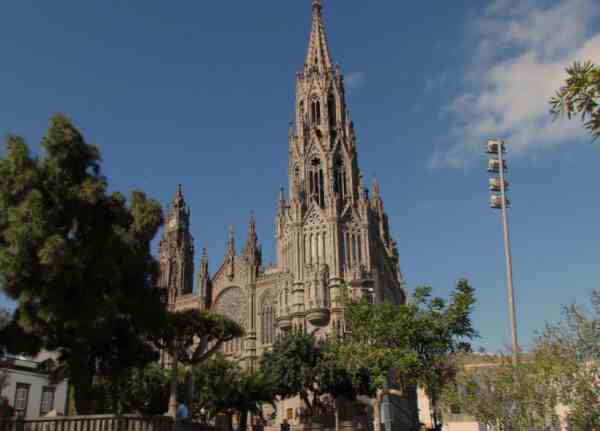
[{"x": 330, "y": 230}]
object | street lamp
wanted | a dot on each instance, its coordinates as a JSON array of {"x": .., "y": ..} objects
[{"x": 498, "y": 200}]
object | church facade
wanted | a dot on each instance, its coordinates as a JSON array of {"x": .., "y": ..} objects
[{"x": 331, "y": 231}]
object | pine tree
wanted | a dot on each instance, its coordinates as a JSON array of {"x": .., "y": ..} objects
[{"x": 77, "y": 259}]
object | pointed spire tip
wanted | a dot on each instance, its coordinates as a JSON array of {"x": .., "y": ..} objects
[{"x": 318, "y": 51}]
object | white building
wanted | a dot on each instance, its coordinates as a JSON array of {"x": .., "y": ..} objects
[{"x": 30, "y": 391}]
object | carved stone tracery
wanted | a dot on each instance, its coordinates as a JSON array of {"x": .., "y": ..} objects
[
  {"x": 233, "y": 304},
  {"x": 329, "y": 230}
]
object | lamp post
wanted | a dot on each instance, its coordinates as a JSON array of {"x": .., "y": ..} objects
[{"x": 498, "y": 200}]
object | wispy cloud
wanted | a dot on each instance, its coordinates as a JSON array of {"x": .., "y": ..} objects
[
  {"x": 356, "y": 79},
  {"x": 518, "y": 64}
]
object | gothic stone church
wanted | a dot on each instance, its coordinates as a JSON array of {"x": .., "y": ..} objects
[{"x": 330, "y": 230}]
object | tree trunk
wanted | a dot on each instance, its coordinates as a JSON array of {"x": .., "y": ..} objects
[
  {"x": 336, "y": 414},
  {"x": 306, "y": 406},
  {"x": 116, "y": 394},
  {"x": 81, "y": 378},
  {"x": 189, "y": 377},
  {"x": 434, "y": 413},
  {"x": 377, "y": 410},
  {"x": 243, "y": 421},
  {"x": 173, "y": 396}
]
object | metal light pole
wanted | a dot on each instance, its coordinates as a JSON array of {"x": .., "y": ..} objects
[{"x": 497, "y": 165}]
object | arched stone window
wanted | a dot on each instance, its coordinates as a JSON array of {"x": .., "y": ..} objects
[
  {"x": 340, "y": 181},
  {"x": 301, "y": 112},
  {"x": 316, "y": 110},
  {"x": 332, "y": 110},
  {"x": 232, "y": 303},
  {"x": 267, "y": 325},
  {"x": 316, "y": 181}
]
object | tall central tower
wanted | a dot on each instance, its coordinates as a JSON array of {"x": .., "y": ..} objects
[
  {"x": 330, "y": 231},
  {"x": 176, "y": 252}
]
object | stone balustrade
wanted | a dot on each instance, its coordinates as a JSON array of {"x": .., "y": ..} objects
[{"x": 90, "y": 423}]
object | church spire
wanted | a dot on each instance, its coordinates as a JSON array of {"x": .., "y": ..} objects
[
  {"x": 230, "y": 254},
  {"x": 179, "y": 194},
  {"x": 178, "y": 216},
  {"x": 176, "y": 251},
  {"x": 204, "y": 263},
  {"x": 230, "y": 242},
  {"x": 252, "y": 226},
  {"x": 252, "y": 251},
  {"x": 204, "y": 282},
  {"x": 318, "y": 50},
  {"x": 376, "y": 188}
]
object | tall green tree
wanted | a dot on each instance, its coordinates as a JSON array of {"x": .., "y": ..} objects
[
  {"x": 292, "y": 365},
  {"x": 506, "y": 396},
  {"x": 5, "y": 319},
  {"x": 214, "y": 382},
  {"x": 144, "y": 391},
  {"x": 191, "y": 337},
  {"x": 572, "y": 348},
  {"x": 300, "y": 365},
  {"x": 408, "y": 345},
  {"x": 222, "y": 386},
  {"x": 580, "y": 96},
  {"x": 77, "y": 258},
  {"x": 561, "y": 371}
]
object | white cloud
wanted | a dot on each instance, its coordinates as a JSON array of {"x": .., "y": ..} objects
[
  {"x": 519, "y": 64},
  {"x": 355, "y": 79}
]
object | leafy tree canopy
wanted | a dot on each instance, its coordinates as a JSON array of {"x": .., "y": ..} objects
[
  {"x": 407, "y": 345},
  {"x": 411, "y": 341},
  {"x": 571, "y": 349},
  {"x": 77, "y": 259},
  {"x": 506, "y": 396},
  {"x": 300, "y": 365},
  {"x": 191, "y": 337},
  {"x": 143, "y": 391},
  {"x": 195, "y": 335},
  {"x": 222, "y": 386},
  {"x": 580, "y": 96},
  {"x": 563, "y": 368}
]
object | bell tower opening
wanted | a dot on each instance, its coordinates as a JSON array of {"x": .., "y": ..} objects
[
  {"x": 316, "y": 181},
  {"x": 340, "y": 182},
  {"x": 316, "y": 111},
  {"x": 332, "y": 111}
]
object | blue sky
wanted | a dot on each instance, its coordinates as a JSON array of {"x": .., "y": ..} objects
[{"x": 201, "y": 93}]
